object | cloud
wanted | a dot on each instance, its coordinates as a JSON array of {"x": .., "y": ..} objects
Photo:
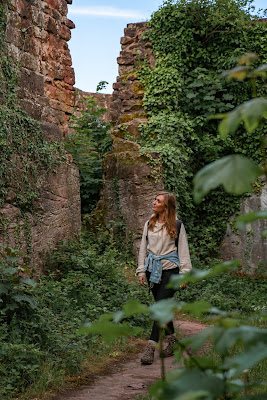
[{"x": 111, "y": 12}]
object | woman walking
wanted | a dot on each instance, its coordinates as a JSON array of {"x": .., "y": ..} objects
[{"x": 163, "y": 252}]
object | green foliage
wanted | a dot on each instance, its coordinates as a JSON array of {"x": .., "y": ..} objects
[
  {"x": 194, "y": 42},
  {"x": 229, "y": 292},
  {"x": 237, "y": 173},
  {"x": 15, "y": 289},
  {"x": 82, "y": 281},
  {"x": 101, "y": 85},
  {"x": 203, "y": 377},
  {"x": 87, "y": 146}
]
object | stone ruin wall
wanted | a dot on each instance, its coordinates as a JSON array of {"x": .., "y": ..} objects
[
  {"x": 127, "y": 174},
  {"x": 37, "y": 35},
  {"x": 103, "y": 100},
  {"x": 129, "y": 187}
]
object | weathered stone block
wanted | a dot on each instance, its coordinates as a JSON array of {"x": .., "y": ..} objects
[
  {"x": 33, "y": 82},
  {"x": 248, "y": 245},
  {"x": 130, "y": 32},
  {"x": 38, "y": 17},
  {"x": 127, "y": 40},
  {"x": 125, "y": 61},
  {"x": 29, "y": 61},
  {"x": 69, "y": 75},
  {"x": 23, "y": 8},
  {"x": 32, "y": 108},
  {"x": 51, "y": 132},
  {"x": 52, "y": 26},
  {"x": 64, "y": 32}
]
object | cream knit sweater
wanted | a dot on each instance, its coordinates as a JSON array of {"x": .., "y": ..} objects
[{"x": 160, "y": 243}]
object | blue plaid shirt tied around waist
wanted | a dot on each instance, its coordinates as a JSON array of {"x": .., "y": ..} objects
[{"x": 154, "y": 265}]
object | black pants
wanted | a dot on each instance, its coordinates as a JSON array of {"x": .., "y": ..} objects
[{"x": 160, "y": 292}]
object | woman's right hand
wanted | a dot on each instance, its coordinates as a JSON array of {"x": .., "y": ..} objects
[{"x": 142, "y": 280}]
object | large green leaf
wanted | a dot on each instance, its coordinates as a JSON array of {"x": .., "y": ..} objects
[
  {"x": 247, "y": 335},
  {"x": 163, "y": 311},
  {"x": 3, "y": 288},
  {"x": 246, "y": 360},
  {"x": 129, "y": 309},
  {"x": 195, "y": 275},
  {"x": 242, "y": 220},
  {"x": 236, "y": 173},
  {"x": 251, "y": 113},
  {"x": 202, "y": 362},
  {"x": 195, "y": 395},
  {"x": 197, "y": 308},
  {"x": 109, "y": 330},
  {"x": 194, "y": 381},
  {"x": 202, "y": 337}
]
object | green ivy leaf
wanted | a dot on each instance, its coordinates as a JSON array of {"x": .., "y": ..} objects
[
  {"x": 235, "y": 173},
  {"x": 242, "y": 220}
]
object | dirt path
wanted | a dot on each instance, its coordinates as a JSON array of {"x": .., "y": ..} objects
[{"x": 130, "y": 379}]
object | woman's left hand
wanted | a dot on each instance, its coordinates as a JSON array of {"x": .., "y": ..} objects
[
  {"x": 183, "y": 286},
  {"x": 142, "y": 280}
]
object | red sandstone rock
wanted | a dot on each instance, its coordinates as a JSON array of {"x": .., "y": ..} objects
[
  {"x": 46, "y": 92},
  {"x": 52, "y": 3},
  {"x": 65, "y": 33}
]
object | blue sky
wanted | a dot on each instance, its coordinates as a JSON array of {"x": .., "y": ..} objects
[{"x": 95, "y": 43}]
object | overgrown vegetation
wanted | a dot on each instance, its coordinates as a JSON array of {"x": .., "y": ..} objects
[
  {"x": 87, "y": 146},
  {"x": 38, "y": 334},
  {"x": 83, "y": 279},
  {"x": 194, "y": 42}
]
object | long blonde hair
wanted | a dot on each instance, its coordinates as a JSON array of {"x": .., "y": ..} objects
[{"x": 170, "y": 222}]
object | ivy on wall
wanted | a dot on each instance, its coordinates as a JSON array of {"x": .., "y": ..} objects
[
  {"x": 194, "y": 42},
  {"x": 23, "y": 149}
]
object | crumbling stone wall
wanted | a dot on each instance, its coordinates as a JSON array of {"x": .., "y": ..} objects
[
  {"x": 103, "y": 100},
  {"x": 37, "y": 35},
  {"x": 248, "y": 245},
  {"x": 130, "y": 183}
]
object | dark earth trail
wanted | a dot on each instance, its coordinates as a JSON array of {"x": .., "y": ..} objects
[{"x": 129, "y": 379}]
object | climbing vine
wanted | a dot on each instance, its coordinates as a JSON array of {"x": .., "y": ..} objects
[
  {"x": 194, "y": 42},
  {"x": 23, "y": 149}
]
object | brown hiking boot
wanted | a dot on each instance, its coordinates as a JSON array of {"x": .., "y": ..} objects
[
  {"x": 168, "y": 351},
  {"x": 148, "y": 356}
]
